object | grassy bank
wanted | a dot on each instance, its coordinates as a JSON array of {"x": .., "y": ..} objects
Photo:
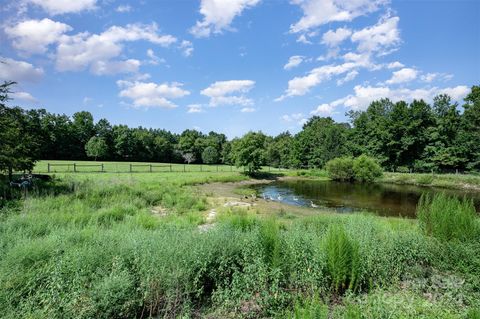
[
  {"x": 458, "y": 181},
  {"x": 128, "y": 245}
]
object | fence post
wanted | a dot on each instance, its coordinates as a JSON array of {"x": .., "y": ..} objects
[
  {"x": 170, "y": 167},
  {"x": 201, "y": 168},
  {"x": 184, "y": 168},
  {"x": 74, "y": 167},
  {"x": 150, "y": 168},
  {"x": 130, "y": 168},
  {"x": 48, "y": 165},
  {"x": 102, "y": 168}
]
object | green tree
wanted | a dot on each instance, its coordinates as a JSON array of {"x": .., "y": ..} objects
[
  {"x": 96, "y": 147},
  {"x": 210, "y": 155},
  {"x": 248, "y": 151},
  {"x": 366, "y": 169},
  {"x": 469, "y": 133},
  {"x": 19, "y": 149}
]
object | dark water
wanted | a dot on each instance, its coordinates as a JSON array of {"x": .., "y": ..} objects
[{"x": 383, "y": 199}]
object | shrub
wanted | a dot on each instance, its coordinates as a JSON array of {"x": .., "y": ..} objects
[
  {"x": 210, "y": 155},
  {"x": 366, "y": 169},
  {"x": 447, "y": 217},
  {"x": 340, "y": 169},
  {"x": 343, "y": 260}
]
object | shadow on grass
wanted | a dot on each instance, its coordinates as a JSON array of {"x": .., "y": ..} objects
[
  {"x": 36, "y": 185},
  {"x": 265, "y": 175}
]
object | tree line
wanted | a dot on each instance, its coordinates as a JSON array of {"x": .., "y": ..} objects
[{"x": 416, "y": 136}]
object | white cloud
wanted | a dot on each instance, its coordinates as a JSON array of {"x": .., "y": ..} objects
[
  {"x": 430, "y": 77},
  {"x": 54, "y": 7},
  {"x": 151, "y": 94},
  {"x": 349, "y": 77},
  {"x": 364, "y": 95},
  {"x": 302, "y": 85},
  {"x": 123, "y": 8},
  {"x": 229, "y": 92},
  {"x": 24, "y": 96},
  {"x": 187, "y": 48},
  {"x": 293, "y": 62},
  {"x": 34, "y": 36},
  {"x": 153, "y": 58},
  {"x": 247, "y": 110},
  {"x": 334, "y": 38},
  {"x": 19, "y": 71},
  {"x": 395, "y": 65},
  {"x": 218, "y": 15},
  {"x": 83, "y": 50},
  {"x": 327, "y": 109},
  {"x": 403, "y": 75},
  {"x": 195, "y": 108},
  {"x": 298, "y": 118},
  {"x": 381, "y": 37},
  {"x": 303, "y": 39},
  {"x": 319, "y": 12},
  {"x": 115, "y": 67}
]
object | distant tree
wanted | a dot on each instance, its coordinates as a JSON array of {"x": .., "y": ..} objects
[
  {"x": 248, "y": 151},
  {"x": 189, "y": 157},
  {"x": 469, "y": 133},
  {"x": 210, "y": 155},
  {"x": 84, "y": 129},
  {"x": 96, "y": 147}
]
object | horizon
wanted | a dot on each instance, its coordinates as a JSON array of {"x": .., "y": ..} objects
[{"x": 236, "y": 68}]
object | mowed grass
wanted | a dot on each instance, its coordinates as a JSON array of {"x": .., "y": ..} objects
[
  {"x": 135, "y": 167},
  {"x": 95, "y": 249}
]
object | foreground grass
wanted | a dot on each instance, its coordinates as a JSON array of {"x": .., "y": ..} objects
[{"x": 95, "y": 250}]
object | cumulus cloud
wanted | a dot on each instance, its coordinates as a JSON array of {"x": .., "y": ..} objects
[
  {"x": 123, "y": 8},
  {"x": 349, "y": 77},
  {"x": 320, "y": 12},
  {"x": 186, "y": 47},
  {"x": 395, "y": 65},
  {"x": 403, "y": 75},
  {"x": 54, "y": 7},
  {"x": 297, "y": 118},
  {"x": 302, "y": 85},
  {"x": 247, "y": 110},
  {"x": 380, "y": 38},
  {"x": 364, "y": 95},
  {"x": 229, "y": 92},
  {"x": 218, "y": 15},
  {"x": 83, "y": 50},
  {"x": 149, "y": 94},
  {"x": 115, "y": 67},
  {"x": 23, "y": 96},
  {"x": 293, "y": 62},
  {"x": 195, "y": 108},
  {"x": 19, "y": 71},
  {"x": 34, "y": 36},
  {"x": 430, "y": 77},
  {"x": 334, "y": 38}
]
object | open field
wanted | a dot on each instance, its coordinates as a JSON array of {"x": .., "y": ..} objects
[
  {"x": 461, "y": 181},
  {"x": 135, "y": 167},
  {"x": 120, "y": 245}
]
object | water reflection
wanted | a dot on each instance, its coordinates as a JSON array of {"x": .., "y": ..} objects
[{"x": 384, "y": 199}]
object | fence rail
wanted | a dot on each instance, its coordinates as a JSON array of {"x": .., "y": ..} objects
[{"x": 119, "y": 167}]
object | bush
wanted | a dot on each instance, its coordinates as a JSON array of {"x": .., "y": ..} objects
[
  {"x": 340, "y": 169},
  {"x": 210, "y": 155},
  {"x": 366, "y": 169},
  {"x": 447, "y": 217},
  {"x": 343, "y": 259}
]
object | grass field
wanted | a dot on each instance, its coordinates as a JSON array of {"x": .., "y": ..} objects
[
  {"x": 135, "y": 167},
  {"x": 121, "y": 245}
]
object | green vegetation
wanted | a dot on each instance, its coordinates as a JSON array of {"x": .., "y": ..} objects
[
  {"x": 362, "y": 169},
  {"x": 448, "y": 218},
  {"x": 419, "y": 137},
  {"x": 128, "y": 245},
  {"x": 469, "y": 181},
  {"x": 96, "y": 147}
]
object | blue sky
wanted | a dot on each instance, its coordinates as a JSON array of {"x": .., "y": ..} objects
[{"x": 238, "y": 65}]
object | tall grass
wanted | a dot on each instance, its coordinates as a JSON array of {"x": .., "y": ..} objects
[
  {"x": 447, "y": 218},
  {"x": 343, "y": 259}
]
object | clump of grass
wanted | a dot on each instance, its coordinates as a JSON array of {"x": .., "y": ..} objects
[
  {"x": 343, "y": 259},
  {"x": 447, "y": 218},
  {"x": 269, "y": 237}
]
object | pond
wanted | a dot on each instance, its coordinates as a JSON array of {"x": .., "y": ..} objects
[{"x": 383, "y": 199}]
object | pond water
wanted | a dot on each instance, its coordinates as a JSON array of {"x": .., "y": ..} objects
[{"x": 383, "y": 199}]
